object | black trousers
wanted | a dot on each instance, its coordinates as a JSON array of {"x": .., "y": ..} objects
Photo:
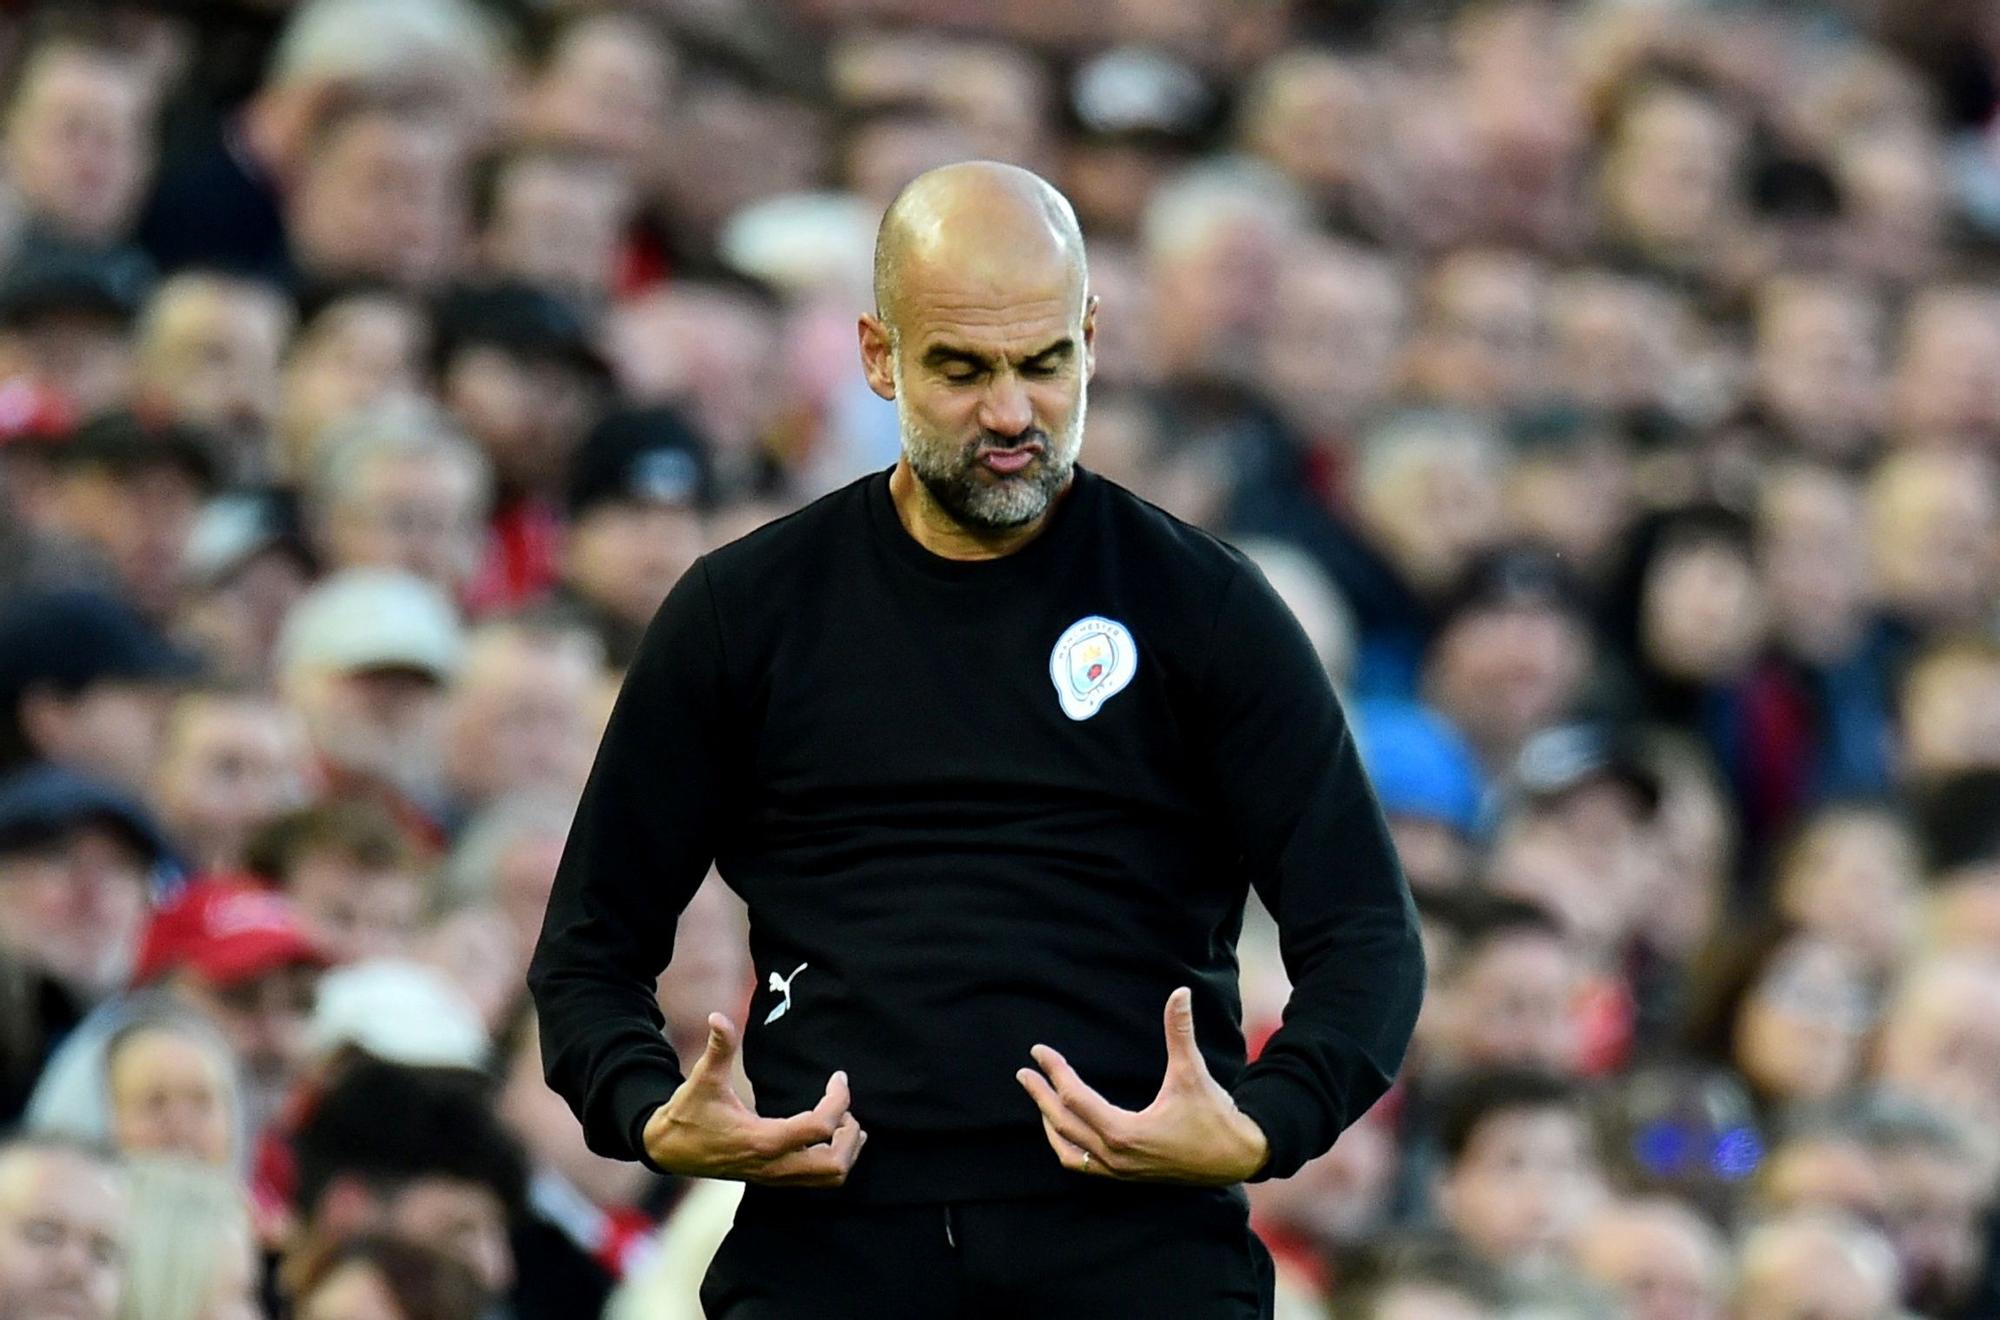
[{"x": 1116, "y": 1251}]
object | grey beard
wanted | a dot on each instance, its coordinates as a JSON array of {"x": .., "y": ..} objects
[{"x": 992, "y": 506}]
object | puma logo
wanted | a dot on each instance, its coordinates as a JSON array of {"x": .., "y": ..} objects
[{"x": 784, "y": 985}]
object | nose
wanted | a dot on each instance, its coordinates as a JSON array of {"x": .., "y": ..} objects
[{"x": 1006, "y": 410}]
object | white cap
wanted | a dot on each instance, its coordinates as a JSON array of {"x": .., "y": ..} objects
[
  {"x": 400, "y": 1012},
  {"x": 371, "y": 618}
]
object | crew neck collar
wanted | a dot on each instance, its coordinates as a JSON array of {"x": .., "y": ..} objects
[{"x": 889, "y": 527}]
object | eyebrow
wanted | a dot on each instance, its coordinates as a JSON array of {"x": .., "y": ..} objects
[{"x": 943, "y": 355}]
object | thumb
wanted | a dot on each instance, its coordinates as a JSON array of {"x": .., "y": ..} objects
[
  {"x": 1182, "y": 1052},
  {"x": 720, "y": 1052}
]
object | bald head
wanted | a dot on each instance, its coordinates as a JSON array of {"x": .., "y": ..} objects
[{"x": 977, "y": 222}]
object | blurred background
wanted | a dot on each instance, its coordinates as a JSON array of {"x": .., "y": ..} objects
[{"x": 1612, "y": 388}]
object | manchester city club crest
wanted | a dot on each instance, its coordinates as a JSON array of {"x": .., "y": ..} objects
[{"x": 1093, "y": 661}]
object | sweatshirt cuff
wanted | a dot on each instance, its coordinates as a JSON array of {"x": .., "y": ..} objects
[
  {"x": 635, "y": 1094},
  {"x": 1289, "y": 1115}
]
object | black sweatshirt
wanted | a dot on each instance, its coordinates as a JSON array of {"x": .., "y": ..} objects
[{"x": 973, "y": 806}]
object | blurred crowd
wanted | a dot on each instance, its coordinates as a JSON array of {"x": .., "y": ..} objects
[{"x": 1612, "y": 388}]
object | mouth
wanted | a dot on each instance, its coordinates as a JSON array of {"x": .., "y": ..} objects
[{"x": 1008, "y": 462}]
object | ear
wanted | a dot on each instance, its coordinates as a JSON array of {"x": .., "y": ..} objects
[
  {"x": 346, "y": 1209},
  {"x": 1089, "y": 337},
  {"x": 878, "y": 353}
]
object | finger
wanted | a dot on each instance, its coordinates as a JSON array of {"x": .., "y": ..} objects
[
  {"x": 718, "y": 1056},
  {"x": 825, "y": 1165},
  {"x": 1062, "y": 1122},
  {"x": 1182, "y": 1050},
  {"x": 1078, "y": 1095},
  {"x": 1069, "y": 1154},
  {"x": 814, "y": 1126}
]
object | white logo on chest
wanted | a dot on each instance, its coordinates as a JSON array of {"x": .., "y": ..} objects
[
  {"x": 784, "y": 984},
  {"x": 1093, "y": 661}
]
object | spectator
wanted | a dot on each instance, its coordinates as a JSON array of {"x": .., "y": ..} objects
[
  {"x": 1578, "y": 841},
  {"x": 239, "y": 957},
  {"x": 231, "y": 761},
  {"x": 65, "y": 319},
  {"x": 1937, "y": 1195},
  {"x": 1851, "y": 875},
  {"x": 1509, "y": 653},
  {"x": 521, "y": 371},
  {"x": 1426, "y": 504},
  {"x": 397, "y": 487},
  {"x": 503, "y": 866},
  {"x": 1510, "y": 998},
  {"x": 604, "y": 85},
  {"x": 358, "y": 348},
  {"x": 128, "y": 494},
  {"x": 221, "y": 204},
  {"x": 365, "y": 658},
  {"x": 1940, "y": 1039},
  {"x": 1816, "y": 1266},
  {"x": 1419, "y": 1279},
  {"x": 378, "y": 197},
  {"x": 1934, "y": 535},
  {"x": 523, "y": 716},
  {"x": 244, "y": 570},
  {"x": 1788, "y": 1010},
  {"x": 637, "y": 496},
  {"x": 209, "y": 348},
  {"x": 1663, "y": 1260},
  {"x": 1431, "y": 789},
  {"x": 85, "y": 683},
  {"x": 78, "y": 139},
  {"x": 171, "y": 1091},
  {"x": 78, "y": 858},
  {"x": 191, "y": 1254},
  {"x": 416, "y": 1154},
  {"x": 354, "y": 873},
  {"x": 1819, "y": 365},
  {"x": 383, "y": 1278},
  {"x": 65, "y": 1224},
  {"x": 556, "y": 218},
  {"x": 1520, "y": 1178}
]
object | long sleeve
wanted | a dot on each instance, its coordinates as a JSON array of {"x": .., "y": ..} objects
[
  {"x": 1311, "y": 836},
  {"x": 645, "y": 834}
]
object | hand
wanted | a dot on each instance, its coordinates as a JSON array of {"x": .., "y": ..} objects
[
  {"x": 1192, "y": 1132},
  {"x": 704, "y": 1130}
]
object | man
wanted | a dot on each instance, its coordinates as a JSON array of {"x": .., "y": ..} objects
[
  {"x": 639, "y": 492},
  {"x": 87, "y": 684},
  {"x": 241, "y": 957},
  {"x": 63, "y": 1216},
  {"x": 1521, "y": 1178},
  {"x": 76, "y": 858},
  {"x": 127, "y": 494},
  {"x": 519, "y": 367},
  {"x": 65, "y": 319},
  {"x": 232, "y": 761},
  {"x": 210, "y": 348},
  {"x": 355, "y": 349},
  {"x": 953, "y": 872},
  {"x": 1511, "y": 651},
  {"x": 358, "y": 880},
  {"x": 380, "y": 195},
  {"x": 398, "y": 487},
  {"x": 417, "y": 1154},
  {"x": 77, "y": 140},
  {"x": 1663, "y": 1260},
  {"x": 366, "y": 658},
  {"x": 1816, "y": 1265},
  {"x": 523, "y": 715}
]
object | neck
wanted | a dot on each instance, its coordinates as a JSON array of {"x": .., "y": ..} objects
[{"x": 943, "y": 535}]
